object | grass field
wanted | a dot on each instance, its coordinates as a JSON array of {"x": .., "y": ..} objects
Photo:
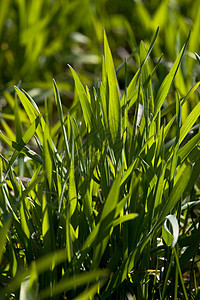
[{"x": 99, "y": 177}]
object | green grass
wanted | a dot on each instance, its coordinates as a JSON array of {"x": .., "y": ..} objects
[
  {"x": 45, "y": 36},
  {"x": 108, "y": 205}
]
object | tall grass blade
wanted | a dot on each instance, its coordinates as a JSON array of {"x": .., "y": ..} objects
[
  {"x": 85, "y": 104},
  {"x": 61, "y": 117},
  {"x": 176, "y": 193},
  {"x": 190, "y": 120},
  {"x": 3, "y": 234},
  {"x": 166, "y": 84},
  {"x": 114, "y": 116}
]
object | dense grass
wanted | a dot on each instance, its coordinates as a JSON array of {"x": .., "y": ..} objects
[
  {"x": 99, "y": 186},
  {"x": 39, "y": 38},
  {"x": 108, "y": 207}
]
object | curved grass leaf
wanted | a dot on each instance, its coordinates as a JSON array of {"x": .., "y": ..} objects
[
  {"x": 31, "y": 110},
  {"x": 85, "y": 104},
  {"x": 171, "y": 238}
]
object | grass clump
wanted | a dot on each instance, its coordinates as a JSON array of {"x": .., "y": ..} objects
[{"x": 107, "y": 207}]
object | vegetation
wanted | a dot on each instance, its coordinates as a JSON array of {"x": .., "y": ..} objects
[{"x": 101, "y": 200}]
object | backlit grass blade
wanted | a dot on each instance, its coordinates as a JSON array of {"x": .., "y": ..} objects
[
  {"x": 174, "y": 159},
  {"x": 107, "y": 216},
  {"x": 25, "y": 150},
  {"x": 61, "y": 117},
  {"x": 172, "y": 106},
  {"x": 85, "y": 104},
  {"x": 188, "y": 147},
  {"x": 78, "y": 144},
  {"x": 47, "y": 156},
  {"x": 114, "y": 115},
  {"x": 8, "y": 131},
  {"x": 166, "y": 84},
  {"x": 24, "y": 219},
  {"x": 34, "y": 180},
  {"x": 104, "y": 93},
  {"x": 194, "y": 40},
  {"x": 131, "y": 93},
  {"x": 160, "y": 188},
  {"x": 18, "y": 130},
  {"x": 18, "y": 125},
  {"x": 3, "y": 234},
  {"x": 190, "y": 120},
  {"x": 24, "y": 140},
  {"x": 31, "y": 110},
  {"x": 145, "y": 75},
  {"x": 72, "y": 190},
  {"x": 124, "y": 218},
  {"x": 46, "y": 225},
  {"x": 176, "y": 193}
]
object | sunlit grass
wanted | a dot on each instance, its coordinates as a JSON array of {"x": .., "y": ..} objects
[{"x": 100, "y": 202}]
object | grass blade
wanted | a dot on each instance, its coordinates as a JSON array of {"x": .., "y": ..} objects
[
  {"x": 3, "y": 234},
  {"x": 85, "y": 104},
  {"x": 114, "y": 116},
  {"x": 166, "y": 84}
]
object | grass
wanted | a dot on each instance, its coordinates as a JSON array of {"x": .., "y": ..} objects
[
  {"x": 102, "y": 203},
  {"x": 47, "y": 35}
]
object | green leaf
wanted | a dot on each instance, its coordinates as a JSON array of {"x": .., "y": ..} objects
[
  {"x": 177, "y": 192},
  {"x": 72, "y": 283},
  {"x": 124, "y": 218},
  {"x": 86, "y": 107},
  {"x": 23, "y": 141},
  {"x": 114, "y": 115},
  {"x": 166, "y": 84},
  {"x": 31, "y": 110},
  {"x": 60, "y": 113},
  {"x": 3, "y": 234},
  {"x": 107, "y": 217},
  {"x": 47, "y": 156},
  {"x": 170, "y": 238},
  {"x": 72, "y": 190},
  {"x": 190, "y": 120},
  {"x": 188, "y": 147}
]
